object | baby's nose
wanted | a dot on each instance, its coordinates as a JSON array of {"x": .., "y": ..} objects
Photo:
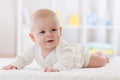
[{"x": 49, "y": 34}]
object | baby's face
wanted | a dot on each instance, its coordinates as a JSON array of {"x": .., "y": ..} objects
[{"x": 47, "y": 33}]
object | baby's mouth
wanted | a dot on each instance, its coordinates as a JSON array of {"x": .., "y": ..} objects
[{"x": 50, "y": 40}]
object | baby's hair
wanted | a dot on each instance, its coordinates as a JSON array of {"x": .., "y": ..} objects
[{"x": 41, "y": 14}]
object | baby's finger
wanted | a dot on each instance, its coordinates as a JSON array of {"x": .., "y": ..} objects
[
  {"x": 9, "y": 67},
  {"x": 5, "y": 68},
  {"x": 46, "y": 69},
  {"x": 54, "y": 70},
  {"x": 14, "y": 67}
]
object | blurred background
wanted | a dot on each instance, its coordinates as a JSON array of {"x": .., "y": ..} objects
[{"x": 92, "y": 23}]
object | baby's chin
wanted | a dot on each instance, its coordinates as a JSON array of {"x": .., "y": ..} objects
[{"x": 51, "y": 46}]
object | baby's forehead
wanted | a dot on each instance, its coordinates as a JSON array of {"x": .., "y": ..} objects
[
  {"x": 43, "y": 23},
  {"x": 44, "y": 18},
  {"x": 46, "y": 27}
]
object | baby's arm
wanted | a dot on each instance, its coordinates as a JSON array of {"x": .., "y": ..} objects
[
  {"x": 98, "y": 60},
  {"x": 9, "y": 67},
  {"x": 65, "y": 61},
  {"x": 21, "y": 61}
]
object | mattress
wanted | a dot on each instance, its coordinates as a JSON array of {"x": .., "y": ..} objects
[{"x": 33, "y": 72}]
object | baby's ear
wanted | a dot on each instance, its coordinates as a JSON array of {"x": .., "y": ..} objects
[
  {"x": 32, "y": 36},
  {"x": 60, "y": 30}
]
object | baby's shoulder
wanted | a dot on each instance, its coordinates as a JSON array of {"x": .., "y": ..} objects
[
  {"x": 32, "y": 47},
  {"x": 69, "y": 45}
]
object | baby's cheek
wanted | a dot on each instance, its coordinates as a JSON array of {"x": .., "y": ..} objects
[{"x": 41, "y": 43}]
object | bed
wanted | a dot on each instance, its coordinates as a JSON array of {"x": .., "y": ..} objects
[{"x": 32, "y": 72}]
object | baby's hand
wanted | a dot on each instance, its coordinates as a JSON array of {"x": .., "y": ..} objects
[
  {"x": 9, "y": 67},
  {"x": 51, "y": 70}
]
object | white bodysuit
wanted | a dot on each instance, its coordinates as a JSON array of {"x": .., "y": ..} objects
[{"x": 65, "y": 56}]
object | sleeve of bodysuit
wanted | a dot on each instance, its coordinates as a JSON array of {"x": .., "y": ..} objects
[
  {"x": 22, "y": 60},
  {"x": 65, "y": 59}
]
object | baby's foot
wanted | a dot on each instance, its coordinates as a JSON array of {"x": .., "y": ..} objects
[{"x": 107, "y": 59}]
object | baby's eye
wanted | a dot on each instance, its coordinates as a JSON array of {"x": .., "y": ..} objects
[
  {"x": 54, "y": 29},
  {"x": 42, "y": 32}
]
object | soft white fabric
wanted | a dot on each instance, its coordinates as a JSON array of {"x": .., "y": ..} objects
[
  {"x": 65, "y": 56},
  {"x": 109, "y": 72}
]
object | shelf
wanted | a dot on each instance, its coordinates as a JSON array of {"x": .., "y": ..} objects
[
  {"x": 100, "y": 27},
  {"x": 88, "y": 27},
  {"x": 71, "y": 27}
]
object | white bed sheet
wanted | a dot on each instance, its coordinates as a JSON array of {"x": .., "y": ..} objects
[{"x": 110, "y": 72}]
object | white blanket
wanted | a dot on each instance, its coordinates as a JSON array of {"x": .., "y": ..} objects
[{"x": 110, "y": 72}]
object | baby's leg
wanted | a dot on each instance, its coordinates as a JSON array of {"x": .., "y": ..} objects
[{"x": 97, "y": 60}]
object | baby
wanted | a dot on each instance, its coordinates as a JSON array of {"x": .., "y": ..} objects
[{"x": 51, "y": 52}]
